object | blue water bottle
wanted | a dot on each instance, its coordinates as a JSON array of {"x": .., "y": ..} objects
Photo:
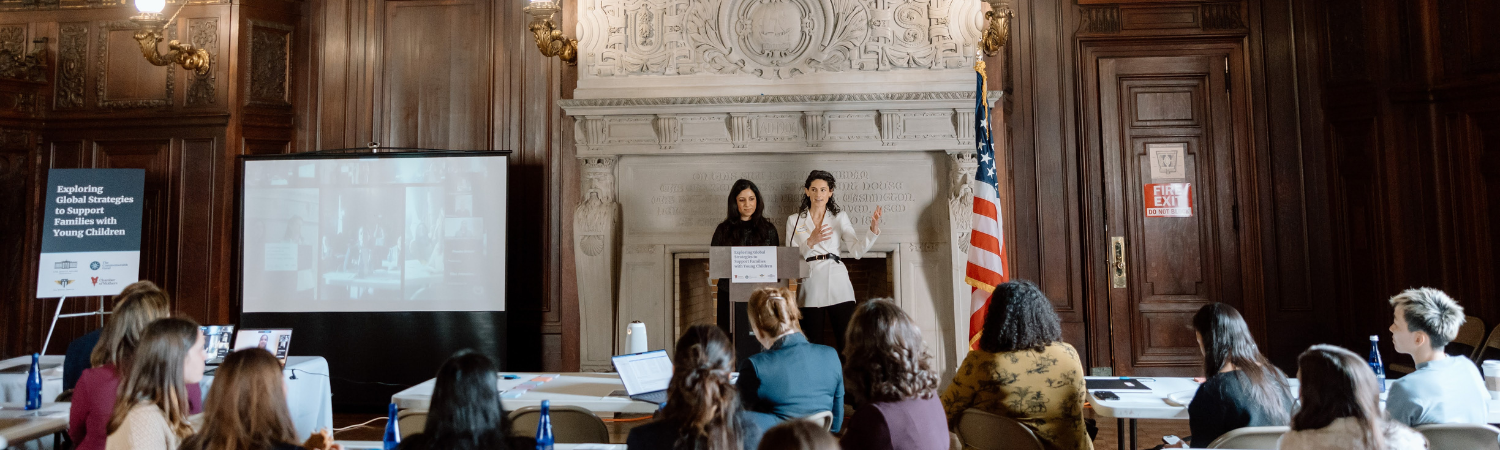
[
  {"x": 391, "y": 437},
  {"x": 34, "y": 384},
  {"x": 1375, "y": 363},
  {"x": 544, "y": 428}
]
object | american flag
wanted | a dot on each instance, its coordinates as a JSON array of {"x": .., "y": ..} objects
[{"x": 986, "y": 268}]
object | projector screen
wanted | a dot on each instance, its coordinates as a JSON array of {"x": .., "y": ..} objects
[{"x": 373, "y": 232}]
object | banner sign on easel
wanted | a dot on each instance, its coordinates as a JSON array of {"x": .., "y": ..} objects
[
  {"x": 1169, "y": 200},
  {"x": 91, "y": 240}
]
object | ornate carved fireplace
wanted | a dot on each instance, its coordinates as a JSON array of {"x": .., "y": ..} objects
[{"x": 677, "y": 99}]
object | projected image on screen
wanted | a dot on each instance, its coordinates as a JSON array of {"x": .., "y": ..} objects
[{"x": 374, "y": 234}]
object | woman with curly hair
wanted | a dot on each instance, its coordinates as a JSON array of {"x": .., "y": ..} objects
[
  {"x": 889, "y": 376},
  {"x": 1023, "y": 370},
  {"x": 703, "y": 408}
]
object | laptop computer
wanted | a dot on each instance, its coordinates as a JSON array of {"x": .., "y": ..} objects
[
  {"x": 274, "y": 340},
  {"x": 216, "y": 340},
  {"x": 645, "y": 375}
]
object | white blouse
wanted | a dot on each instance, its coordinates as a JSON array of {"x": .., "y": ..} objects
[{"x": 827, "y": 281}]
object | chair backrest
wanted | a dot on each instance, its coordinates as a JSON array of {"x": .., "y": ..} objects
[
  {"x": 1461, "y": 435},
  {"x": 1250, "y": 438},
  {"x": 985, "y": 431},
  {"x": 1470, "y": 338},
  {"x": 823, "y": 419},
  {"x": 411, "y": 421},
  {"x": 1491, "y": 349},
  {"x": 570, "y": 424}
]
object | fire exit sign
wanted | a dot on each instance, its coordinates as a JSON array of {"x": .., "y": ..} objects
[{"x": 1169, "y": 200}]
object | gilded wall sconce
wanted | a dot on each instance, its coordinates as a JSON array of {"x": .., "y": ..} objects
[
  {"x": 997, "y": 33},
  {"x": 549, "y": 39},
  {"x": 152, "y": 25}
]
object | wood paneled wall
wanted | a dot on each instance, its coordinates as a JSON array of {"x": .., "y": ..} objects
[
  {"x": 102, "y": 105},
  {"x": 465, "y": 75}
]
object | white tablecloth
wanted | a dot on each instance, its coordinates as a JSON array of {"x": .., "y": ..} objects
[
  {"x": 36, "y": 426},
  {"x": 13, "y": 385},
  {"x": 1140, "y": 404},
  {"x": 308, "y": 397},
  {"x": 588, "y": 390}
]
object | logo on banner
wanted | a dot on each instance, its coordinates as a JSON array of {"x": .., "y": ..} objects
[
  {"x": 94, "y": 265},
  {"x": 65, "y": 265},
  {"x": 95, "y": 280},
  {"x": 64, "y": 282}
]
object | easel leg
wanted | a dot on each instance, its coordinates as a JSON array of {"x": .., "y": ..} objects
[{"x": 54, "y": 324}]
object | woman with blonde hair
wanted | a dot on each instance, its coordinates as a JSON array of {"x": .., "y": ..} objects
[
  {"x": 892, "y": 382},
  {"x": 137, "y": 306},
  {"x": 792, "y": 378},
  {"x": 247, "y": 409},
  {"x": 151, "y": 410}
]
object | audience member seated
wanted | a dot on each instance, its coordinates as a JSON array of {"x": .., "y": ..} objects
[
  {"x": 151, "y": 412},
  {"x": 247, "y": 409},
  {"x": 1341, "y": 407},
  {"x": 465, "y": 413},
  {"x": 792, "y": 378},
  {"x": 78, "y": 359},
  {"x": 1243, "y": 388},
  {"x": 1023, "y": 370},
  {"x": 890, "y": 378},
  {"x": 703, "y": 408},
  {"x": 1444, "y": 388},
  {"x": 799, "y": 435},
  {"x": 94, "y": 397}
]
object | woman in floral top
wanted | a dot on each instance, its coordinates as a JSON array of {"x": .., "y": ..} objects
[{"x": 1023, "y": 370}]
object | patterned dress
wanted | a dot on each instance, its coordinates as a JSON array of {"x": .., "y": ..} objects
[{"x": 1042, "y": 389}]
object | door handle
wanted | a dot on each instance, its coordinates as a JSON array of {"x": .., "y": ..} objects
[{"x": 1117, "y": 262}]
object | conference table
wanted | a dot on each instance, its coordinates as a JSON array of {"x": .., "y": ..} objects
[
  {"x": 13, "y": 378},
  {"x": 599, "y": 392},
  {"x": 1152, "y": 403},
  {"x": 17, "y": 426}
]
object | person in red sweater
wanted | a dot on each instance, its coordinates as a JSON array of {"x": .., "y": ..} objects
[{"x": 94, "y": 397}]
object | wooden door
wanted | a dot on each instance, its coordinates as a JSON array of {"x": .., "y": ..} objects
[{"x": 1166, "y": 142}]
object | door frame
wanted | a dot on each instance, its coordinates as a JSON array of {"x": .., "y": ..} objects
[{"x": 1102, "y": 338}]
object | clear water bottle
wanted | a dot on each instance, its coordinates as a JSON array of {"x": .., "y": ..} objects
[
  {"x": 544, "y": 428},
  {"x": 1375, "y": 363},
  {"x": 392, "y": 436},
  {"x": 34, "y": 384}
]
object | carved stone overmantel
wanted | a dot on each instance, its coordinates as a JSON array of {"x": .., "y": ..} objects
[{"x": 596, "y": 223}]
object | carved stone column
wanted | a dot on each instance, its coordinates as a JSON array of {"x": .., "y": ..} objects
[
  {"x": 961, "y": 167},
  {"x": 595, "y": 250}
]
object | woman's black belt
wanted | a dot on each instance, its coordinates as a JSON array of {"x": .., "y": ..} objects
[{"x": 831, "y": 256}]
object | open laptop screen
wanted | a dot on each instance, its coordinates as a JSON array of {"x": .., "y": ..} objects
[
  {"x": 276, "y": 341},
  {"x": 644, "y": 372},
  {"x": 216, "y": 340}
]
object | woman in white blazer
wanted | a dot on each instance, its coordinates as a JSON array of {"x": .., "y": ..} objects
[{"x": 820, "y": 229}]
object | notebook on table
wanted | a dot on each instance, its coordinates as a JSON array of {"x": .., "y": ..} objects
[
  {"x": 1114, "y": 385},
  {"x": 645, "y": 375}
]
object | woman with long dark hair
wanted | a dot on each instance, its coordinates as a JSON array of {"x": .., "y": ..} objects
[
  {"x": 247, "y": 409},
  {"x": 465, "y": 413},
  {"x": 821, "y": 229},
  {"x": 703, "y": 407},
  {"x": 744, "y": 225},
  {"x": 890, "y": 377},
  {"x": 1023, "y": 370},
  {"x": 151, "y": 409},
  {"x": 1341, "y": 407},
  {"x": 1243, "y": 388}
]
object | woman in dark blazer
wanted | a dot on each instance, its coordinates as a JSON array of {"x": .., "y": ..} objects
[
  {"x": 792, "y": 378},
  {"x": 744, "y": 225}
]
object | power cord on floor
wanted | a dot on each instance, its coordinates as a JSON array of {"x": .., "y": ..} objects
[
  {"x": 367, "y": 422},
  {"x": 346, "y": 380}
]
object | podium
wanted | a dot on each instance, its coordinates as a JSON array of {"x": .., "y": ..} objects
[{"x": 789, "y": 265}]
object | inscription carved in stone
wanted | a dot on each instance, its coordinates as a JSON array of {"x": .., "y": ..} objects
[
  {"x": 772, "y": 39},
  {"x": 72, "y": 59}
]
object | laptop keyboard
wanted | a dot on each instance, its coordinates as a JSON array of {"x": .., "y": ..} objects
[{"x": 657, "y": 397}]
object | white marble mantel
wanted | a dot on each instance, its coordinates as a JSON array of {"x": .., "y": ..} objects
[{"x": 677, "y": 99}]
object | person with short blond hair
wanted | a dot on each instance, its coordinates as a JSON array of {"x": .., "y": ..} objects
[
  {"x": 792, "y": 378},
  {"x": 1444, "y": 388}
]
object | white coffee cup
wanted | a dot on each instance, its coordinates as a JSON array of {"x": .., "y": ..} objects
[{"x": 1492, "y": 378}]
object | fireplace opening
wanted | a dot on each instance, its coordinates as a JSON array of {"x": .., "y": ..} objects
[{"x": 696, "y": 295}]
